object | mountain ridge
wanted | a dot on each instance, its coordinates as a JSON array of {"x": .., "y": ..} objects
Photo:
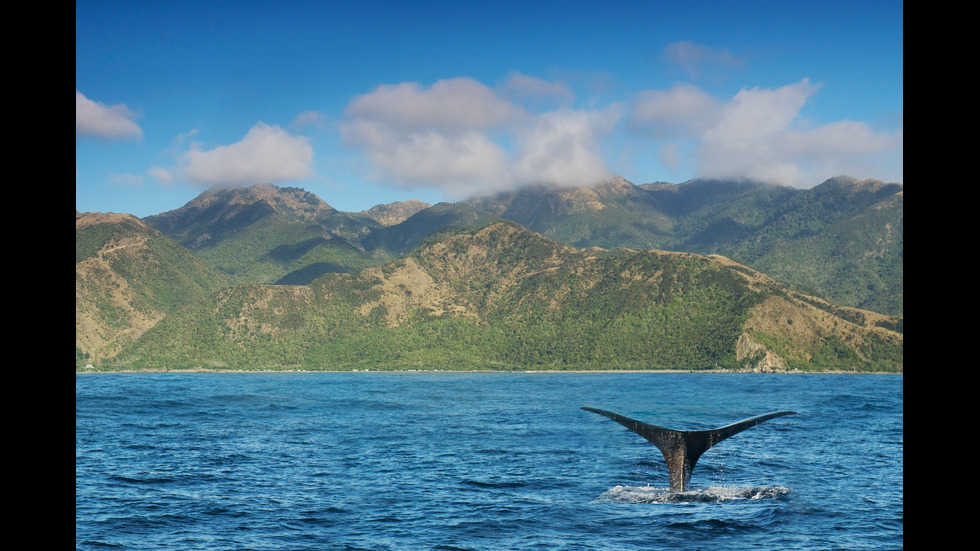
[
  {"x": 463, "y": 284},
  {"x": 842, "y": 238}
]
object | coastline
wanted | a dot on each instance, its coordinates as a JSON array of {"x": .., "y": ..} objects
[{"x": 527, "y": 371}]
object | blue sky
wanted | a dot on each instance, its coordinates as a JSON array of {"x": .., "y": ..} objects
[{"x": 369, "y": 102}]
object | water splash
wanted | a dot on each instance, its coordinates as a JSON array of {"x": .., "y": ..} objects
[{"x": 717, "y": 494}]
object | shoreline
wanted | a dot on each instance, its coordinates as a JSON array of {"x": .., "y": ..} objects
[{"x": 526, "y": 371}]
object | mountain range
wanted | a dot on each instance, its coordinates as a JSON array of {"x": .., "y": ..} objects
[{"x": 704, "y": 274}]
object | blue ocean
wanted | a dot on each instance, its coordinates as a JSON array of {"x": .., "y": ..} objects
[{"x": 482, "y": 461}]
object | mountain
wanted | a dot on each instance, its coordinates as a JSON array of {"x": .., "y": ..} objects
[
  {"x": 267, "y": 234},
  {"x": 274, "y": 277},
  {"x": 394, "y": 241},
  {"x": 393, "y": 213},
  {"x": 504, "y": 297},
  {"x": 128, "y": 277},
  {"x": 842, "y": 239},
  {"x": 609, "y": 215}
]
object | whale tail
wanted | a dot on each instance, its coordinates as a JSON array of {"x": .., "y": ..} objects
[{"x": 683, "y": 448}]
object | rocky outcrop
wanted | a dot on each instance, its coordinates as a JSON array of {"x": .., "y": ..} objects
[{"x": 757, "y": 358}]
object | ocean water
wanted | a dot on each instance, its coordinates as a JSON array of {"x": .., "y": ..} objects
[{"x": 457, "y": 461}]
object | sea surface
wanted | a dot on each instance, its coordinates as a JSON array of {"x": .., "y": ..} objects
[{"x": 456, "y": 461}]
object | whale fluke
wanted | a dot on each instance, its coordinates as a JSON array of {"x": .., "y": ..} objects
[{"x": 682, "y": 448}]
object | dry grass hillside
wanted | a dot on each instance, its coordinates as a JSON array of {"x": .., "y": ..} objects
[
  {"x": 108, "y": 310},
  {"x": 497, "y": 296},
  {"x": 795, "y": 325},
  {"x": 127, "y": 278}
]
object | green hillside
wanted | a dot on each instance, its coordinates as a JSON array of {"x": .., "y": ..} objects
[
  {"x": 267, "y": 234},
  {"x": 128, "y": 277},
  {"x": 504, "y": 297},
  {"x": 842, "y": 239},
  {"x": 269, "y": 277}
]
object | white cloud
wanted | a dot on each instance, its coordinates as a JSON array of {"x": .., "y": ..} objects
[
  {"x": 759, "y": 134},
  {"x": 160, "y": 174},
  {"x": 562, "y": 148},
  {"x": 694, "y": 59},
  {"x": 758, "y": 113},
  {"x": 448, "y": 105},
  {"x": 526, "y": 87},
  {"x": 466, "y": 139},
  {"x": 309, "y": 119},
  {"x": 845, "y": 147},
  {"x": 267, "y": 154},
  {"x": 95, "y": 119},
  {"x": 684, "y": 110},
  {"x": 460, "y": 163},
  {"x": 462, "y": 137}
]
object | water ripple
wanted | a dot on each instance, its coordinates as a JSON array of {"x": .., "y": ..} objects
[{"x": 481, "y": 462}]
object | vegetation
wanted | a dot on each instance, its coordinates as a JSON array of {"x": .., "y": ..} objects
[
  {"x": 842, "y": 239},
  {"x": 128, "y": 277},
  {"x": 498, "y": 297},
  {"x": 274, "y": 278}
]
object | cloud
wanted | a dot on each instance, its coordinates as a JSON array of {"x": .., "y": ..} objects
[
  {"x": 467, "y": 139},
  {"x": 126, "y": 180},
  {"x": 845, "y": 147},
  {"x": 526, "y": 87},
  {"x": 267, "y": 154},
  {"x": 464, "y": 138},
  {"x": 683, "y": 110},
  {"x": 562, "y": 148},
  {"x": 455, "y": 104},
  {"x": 759, "y": 134},
  {"x": 160, "y": 174},
  {"x": 98, "y": 120},
  {"x": 309, "y": 119},
  {"x": 756, "y": 113},
  {"x": 694, "y": 59},
  {"x": 460, "y": 163}
]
